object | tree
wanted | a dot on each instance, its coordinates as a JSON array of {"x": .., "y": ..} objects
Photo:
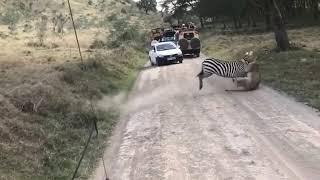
[
  {"x": 279, "y": 28},
  {"x": 42, "y": 29},
  {"x": 147, "y": 5},
  {"x": 233, "y": 9},
  {"x": 181, "y": 10}
]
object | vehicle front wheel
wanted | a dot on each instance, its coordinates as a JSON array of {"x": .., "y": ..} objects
[
  {"x": 180, "y": 61},
  {"x": 151, "y": 62}
]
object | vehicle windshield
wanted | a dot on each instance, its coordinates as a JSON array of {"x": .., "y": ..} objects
[
  {"x": 188, "y": 36},
  {"x": 168, "y": 39},
  {"x": 163, "y": 47}
]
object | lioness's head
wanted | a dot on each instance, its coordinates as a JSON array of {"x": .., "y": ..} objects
[{"x": 249, "y": 57}]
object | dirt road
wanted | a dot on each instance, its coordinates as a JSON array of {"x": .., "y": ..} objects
[{"x": 171, "y": 130}]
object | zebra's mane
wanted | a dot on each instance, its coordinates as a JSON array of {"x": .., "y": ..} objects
[{"x": 242, "y": 60}]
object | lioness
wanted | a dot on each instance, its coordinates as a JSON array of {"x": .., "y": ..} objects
[{"x": 252, "y": 81}]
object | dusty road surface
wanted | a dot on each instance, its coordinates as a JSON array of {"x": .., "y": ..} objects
[{"x": 171, "y": 130}]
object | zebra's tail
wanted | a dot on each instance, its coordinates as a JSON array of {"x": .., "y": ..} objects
[
  {"x": 200, "y": 73},
  {"x": 200, "y": 76}
]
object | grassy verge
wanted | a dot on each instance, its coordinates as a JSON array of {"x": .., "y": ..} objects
[
  {"x": 294, "y": 72},
  {"x": 45, "y": 95},
  {"x": 104, "y": 75},
  {"x": 46, "y": 142}
]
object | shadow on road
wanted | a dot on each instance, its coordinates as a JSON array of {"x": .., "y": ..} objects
[
  {"x": 188, "y": 56},
  {"x": 148, "y": 66}
]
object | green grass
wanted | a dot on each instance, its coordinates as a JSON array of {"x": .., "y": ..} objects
[
  {"x": 295, "y": 72},
  {"x": 48, "y": 143},
  {"x": 103, "y": 75}
]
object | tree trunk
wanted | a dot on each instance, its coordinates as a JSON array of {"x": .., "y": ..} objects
[
  {"x": 267, "y": 14},
  {"x": 235, "y": 22},
  {"x": 280, "y": 32},
  {"x": 239, "y": 22},
  {"x": 315, "y": 9},
  {"x": 254, "y": 23},
  {"x": 201, "y": 22}
]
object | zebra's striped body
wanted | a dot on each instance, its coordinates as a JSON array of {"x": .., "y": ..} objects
[{"x": 228, "y": 69}]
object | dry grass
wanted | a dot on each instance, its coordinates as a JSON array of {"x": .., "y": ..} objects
[
  {"x": 44, "y": 93},
  {"x": 295, "y": 72}
]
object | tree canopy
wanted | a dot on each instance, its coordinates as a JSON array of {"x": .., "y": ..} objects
[
  {"x": 274, "y": 14},
  {"x": 147, "y": 5}
]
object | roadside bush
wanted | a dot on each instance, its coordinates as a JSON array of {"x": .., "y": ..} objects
[
  {"x": 124, "y": 33},
  {"x": 112, "y": 17},
  {"x": 35, "y": 44},
  {"x": 27, "y": 28},
  {"x": 10, "y": 17},
  {"x": 97, "y": 44},
  {"x": 83, "y": 22},
  {"x": 124, "y": 11},
  {"x": 104, "y": 73}
]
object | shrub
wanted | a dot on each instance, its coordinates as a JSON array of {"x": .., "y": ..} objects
[
  {"x": 97, "y": 44},
  {"x": 126, "y": 34},
  {"x": 10, "y": 17},
  {"x": 124, "y": 11},
  {"x": 84, "y": 22},
  {"x": 112, "y": 17},
  {"x": 27, "y": 28}
]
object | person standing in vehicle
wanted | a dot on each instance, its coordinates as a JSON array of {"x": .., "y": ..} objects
[{"x": 177, "y": 36}]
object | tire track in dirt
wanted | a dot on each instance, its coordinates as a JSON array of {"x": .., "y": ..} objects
[
  {"x": 171, "y": 130},
  {"x": 292, "y": 140}
]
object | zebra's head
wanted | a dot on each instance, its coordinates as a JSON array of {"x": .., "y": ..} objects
[{"x": 249, "y": 57}]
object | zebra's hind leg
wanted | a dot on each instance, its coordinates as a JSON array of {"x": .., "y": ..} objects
[
  {"x": 200, "y": 76},
  {"x": 200, "y": 83}
]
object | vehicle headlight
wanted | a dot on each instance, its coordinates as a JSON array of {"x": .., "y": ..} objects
[{"x": 160, "y": 56}]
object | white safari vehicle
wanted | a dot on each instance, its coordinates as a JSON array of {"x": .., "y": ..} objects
[{"x": 164, "y": 53}]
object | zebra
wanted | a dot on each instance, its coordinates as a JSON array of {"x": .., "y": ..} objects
[{"x": 228, "y": 69}]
